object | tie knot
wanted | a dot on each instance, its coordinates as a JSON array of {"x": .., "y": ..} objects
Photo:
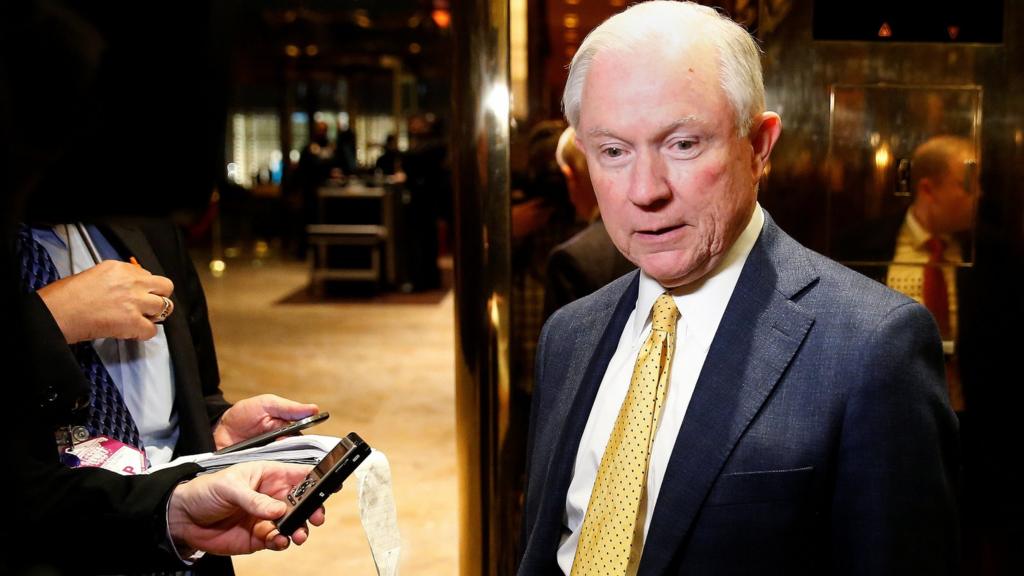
[
  {"x": 936, "y": 247},
  {"x": 665, "y": 314}
]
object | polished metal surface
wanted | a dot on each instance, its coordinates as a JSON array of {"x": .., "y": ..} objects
[
  {"x": 938, "y": 85},
  {"x": 480, "y": 158}
]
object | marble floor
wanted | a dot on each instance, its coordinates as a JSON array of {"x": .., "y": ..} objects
[{"x": 383, "y": 368}]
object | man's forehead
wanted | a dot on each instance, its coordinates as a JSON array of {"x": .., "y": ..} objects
[
  {"x": 694, "y": 57},
  {"x": 681, "y": 122},
  {"x": 657, "y": 51},
  {"x": 623, "y": 80}
]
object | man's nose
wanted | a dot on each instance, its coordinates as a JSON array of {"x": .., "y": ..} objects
[{"x": 650, "y": 181}]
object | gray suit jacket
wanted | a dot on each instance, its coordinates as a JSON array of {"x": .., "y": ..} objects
[
  {"x": 581, "y": 265},
  {"x": 819, "y": 439}
]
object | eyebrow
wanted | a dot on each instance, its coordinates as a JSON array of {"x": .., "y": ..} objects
[{"x": 684, "y": 121}]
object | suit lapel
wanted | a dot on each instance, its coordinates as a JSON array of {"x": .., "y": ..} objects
[
  {"x": 756, "y": 340},
  {"x": 597, "y": 339},
  {"x": 189, "y": 407}
]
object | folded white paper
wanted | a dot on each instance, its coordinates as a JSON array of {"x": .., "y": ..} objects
[
  {"x": 377, "y": 512},
  {"x": 305, "y": 449}
]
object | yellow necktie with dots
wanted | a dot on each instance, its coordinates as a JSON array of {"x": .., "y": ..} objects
[{"x": 610, "y": 540}]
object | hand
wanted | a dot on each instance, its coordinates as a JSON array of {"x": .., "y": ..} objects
[
  {"x": 110, "y": 300},
  {"x": 231, "y": 511},
  {"x": 256, "y": 415}
]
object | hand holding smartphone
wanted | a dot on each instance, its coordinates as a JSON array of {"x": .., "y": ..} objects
[
  {"x": 289, "y": 429},
  {"x": 325, "y": 479}
]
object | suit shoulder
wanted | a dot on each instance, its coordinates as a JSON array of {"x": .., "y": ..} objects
[
  {"x": 603, "y": 300},
  {"x": 579, "y": 243},
  {"x": 845, "y": 293},
  {"x": 817, "y": 282}
]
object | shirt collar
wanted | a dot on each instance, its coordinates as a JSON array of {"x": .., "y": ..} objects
[
  {"x": 918, "y": 234},
  {"x": 701, "y": 304}
]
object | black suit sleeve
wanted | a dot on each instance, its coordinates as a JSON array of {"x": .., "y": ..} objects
[
  {"x": 62, "y": 520},
  {"x": 92, "y": 521},
  {"x": 61, "y": 386}
]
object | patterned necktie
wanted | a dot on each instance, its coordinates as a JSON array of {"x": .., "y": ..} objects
[
  {"x": 108, "y": 414},
  {"x": 608, "y": 542},
  {"x": 936, "y": 297}
]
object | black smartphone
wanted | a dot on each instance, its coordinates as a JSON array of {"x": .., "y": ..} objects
[
  {"x": 325, "y": 479},
  {"x": 268, "y": 437}
]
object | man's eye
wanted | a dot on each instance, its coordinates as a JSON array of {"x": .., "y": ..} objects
[
  {"x": 613, "y": 152},
  {"x": 684, "y": 145}
]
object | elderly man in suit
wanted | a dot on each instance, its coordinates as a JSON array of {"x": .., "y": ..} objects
[{"x": 741, "y": 405}]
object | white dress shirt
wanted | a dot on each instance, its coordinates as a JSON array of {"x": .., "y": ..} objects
[
  {"x": 141, "y": 370},
  {"x": 701, "y": 306}
]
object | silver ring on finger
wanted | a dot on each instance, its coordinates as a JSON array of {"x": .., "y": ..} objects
[{"x": 165, "y": 311}]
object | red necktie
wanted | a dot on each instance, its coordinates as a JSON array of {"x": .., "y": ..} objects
[{"x": 936, "y": 297}]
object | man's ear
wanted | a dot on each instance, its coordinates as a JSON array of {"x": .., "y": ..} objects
[
  {"x": 764, "y": 133},
  {"x": 925, "y": 189}
]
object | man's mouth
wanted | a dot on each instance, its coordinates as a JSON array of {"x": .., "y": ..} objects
[{"x": 660, "y": 231}]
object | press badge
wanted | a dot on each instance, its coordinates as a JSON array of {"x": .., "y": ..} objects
[{"x": 106, "y": 453}]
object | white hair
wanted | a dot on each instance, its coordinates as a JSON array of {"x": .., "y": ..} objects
[{"x": 671, "y": 23}]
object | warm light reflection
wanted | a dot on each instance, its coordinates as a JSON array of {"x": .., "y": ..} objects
[
  {"x": 497, "y": 101},
  {"x": 292, "y": 51},
  {"x": 312, "y": 50},
  {"x": 442, "y": 18},
  {"x": 882, "y": 157},
  {"x": 415, "y": 48},
  {"x": 571, "y": 20},
  {"x": 519, "y": 56},
  {"x": 362, "y": 19},
  {"x": 1018, "y": 137},
  {"x": 495, "y": 312},
  {"x": 217, "y": 268}
]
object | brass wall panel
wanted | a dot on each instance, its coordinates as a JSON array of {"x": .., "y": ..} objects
[{"x": 800, "y": 74}]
